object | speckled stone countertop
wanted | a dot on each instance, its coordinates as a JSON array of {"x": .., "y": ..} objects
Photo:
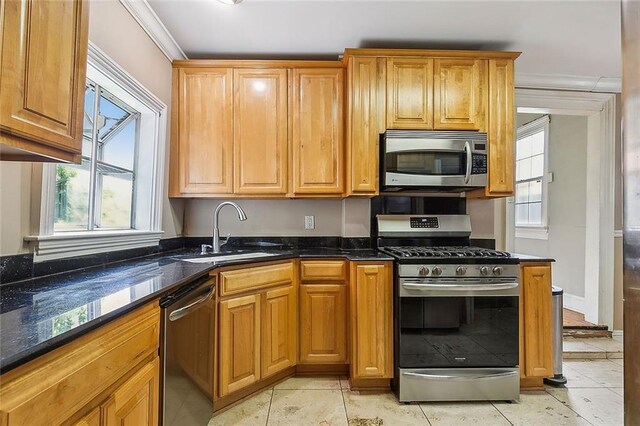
[{"x": 41, "y": 314}]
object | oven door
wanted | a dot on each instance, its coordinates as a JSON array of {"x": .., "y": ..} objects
[
  {"x": 432, "y": 163},
  {"x": 457, "y": 323}
]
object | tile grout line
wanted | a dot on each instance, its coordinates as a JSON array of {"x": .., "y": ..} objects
[
  {"x": 273, "y": 390},
  {"x": 501, "y": 413},
  {"x": 344, "y": 404},
  {"x": 425, "y": 415},
  {"x": 568, "y": 406}
]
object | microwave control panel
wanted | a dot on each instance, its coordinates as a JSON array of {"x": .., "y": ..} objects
[{"x": 479, "y": 164}]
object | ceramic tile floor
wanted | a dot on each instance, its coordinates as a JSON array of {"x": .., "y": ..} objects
[
  {"x": 593, "y": 396},
  {"x": 592, "y": 348}
]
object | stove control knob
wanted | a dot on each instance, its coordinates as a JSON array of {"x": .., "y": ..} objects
[
  {"x": 437, "y": 271},
  {"x": 484, "y": 270},
  {"x": 461, "y": 270},
  {"x": 498, "y": 270},
  {"x": 423, "y": 270}
]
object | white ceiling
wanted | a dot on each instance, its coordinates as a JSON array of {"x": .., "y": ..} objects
[{"x": 567, "y": 37}]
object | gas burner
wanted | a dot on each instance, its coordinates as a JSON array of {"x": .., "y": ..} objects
[{"x": 443, "y": 252}]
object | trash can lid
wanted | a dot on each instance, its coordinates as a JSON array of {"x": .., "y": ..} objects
[{"x": 556, "y": 290}]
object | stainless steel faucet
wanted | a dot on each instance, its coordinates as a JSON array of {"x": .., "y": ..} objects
[{"x": 216, "y": 232}]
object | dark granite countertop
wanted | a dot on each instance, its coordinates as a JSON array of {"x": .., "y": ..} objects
[
  {"x": 38, "y": 315},
  {"x": 531, "y": 258}
]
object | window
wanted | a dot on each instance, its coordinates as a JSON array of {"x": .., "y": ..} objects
[
  {"x": 99, "y": 192},
  {"x": 530, "y": 197},
  {"x": 112, "y": 200}
]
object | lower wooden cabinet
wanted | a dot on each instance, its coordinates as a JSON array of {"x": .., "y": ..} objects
[
  {"x": 371, "y": 320},
  {"x": 536, "y": 323},
  {"x": 136, "y": 401},
  {"x": 279, "y": 330},
  {"x": 239, "y": 350},
  {"x": 94, "y": 418},
  {"x": 323, "y": 324}
]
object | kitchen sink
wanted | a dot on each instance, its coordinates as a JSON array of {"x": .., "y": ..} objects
[{"x": 226, "y": 257}]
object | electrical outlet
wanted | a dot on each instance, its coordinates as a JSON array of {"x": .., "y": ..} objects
[{"x": 309, "y": 222}]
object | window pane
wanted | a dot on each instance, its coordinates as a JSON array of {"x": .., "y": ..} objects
[
  {"x": 523, "y": 148},
  {"x": 88, "y": 114},
  {"x": 115, "y": 205},
  {"x": 522, "y": 192},
  {"x": 522, "y": 214},
  {"x": 112, "y": 113},
  {"x": 119, "y": 149},
  {"x": 537, "y": 143},
  {"x": 537, "y": 165},
  {"x": 71, "y": 197},
  {"x": 523, "y": 169},
  {"x": 535, "y": 214},
  {"x": 535, "y": 191}
]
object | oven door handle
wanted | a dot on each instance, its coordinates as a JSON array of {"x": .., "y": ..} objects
[
  {"x": 467, "y": 150},
  {"x": 460, "y": 287},
  {"x": 463, "y": 377},
  {"x": 179, "y": 313}
]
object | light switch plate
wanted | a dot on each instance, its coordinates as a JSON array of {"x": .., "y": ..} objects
[{"x": 309, "y": 222}]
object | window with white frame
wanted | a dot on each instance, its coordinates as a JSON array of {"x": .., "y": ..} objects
[
  {"x": 530, "y": 197},
  {"x": 112, "y": 200}
]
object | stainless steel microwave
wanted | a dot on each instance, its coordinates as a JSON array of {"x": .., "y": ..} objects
[{"x": 414, "y": 160}]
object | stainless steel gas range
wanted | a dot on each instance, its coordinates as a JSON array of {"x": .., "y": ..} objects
[{"x": 456, "y": 323}]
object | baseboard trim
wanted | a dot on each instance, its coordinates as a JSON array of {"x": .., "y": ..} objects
[
  {"x": 617, "y": 334},
  {"x": 575, "y": 303}
]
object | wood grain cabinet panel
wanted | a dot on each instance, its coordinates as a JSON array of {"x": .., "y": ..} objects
[
  {"x": 365, "y": 122},
  {"x": 256, "y": 277},
  {"x": 279, "y": 330},
  {"x": 409, "y": 93},
  {"x": 94, "y": 418},
  {"x": 501, "y": 163},
  {"x": 239, "y": 349},
  {"x": 136, "y": 402},
  {"x": 537, "y": 320},
  {"x": 318, "y": 133},
  {"x": 371, "y": 320},
  {"x": 42, "y": 83},
  {"x": 205, "y": 131},
  {"x": 460, "y": 94},
  {"x": 260, "y": 131},
  {"x": 324, "y": 271},
  {"x": 323, "y": 324}
]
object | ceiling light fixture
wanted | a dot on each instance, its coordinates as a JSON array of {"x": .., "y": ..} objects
[{"x": 230, "y": 1}]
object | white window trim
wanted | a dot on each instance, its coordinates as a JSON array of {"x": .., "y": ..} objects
[
  {"x": 50, "y": 246},
  {"x": 537, "y": 232}
]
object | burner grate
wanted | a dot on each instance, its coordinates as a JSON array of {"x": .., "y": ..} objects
[{"x": 444, "y": 251}]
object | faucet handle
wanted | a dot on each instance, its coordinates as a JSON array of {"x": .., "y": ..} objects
[
  {"x": 226, "y": 240},
  {"x": 204, "y": 247}
]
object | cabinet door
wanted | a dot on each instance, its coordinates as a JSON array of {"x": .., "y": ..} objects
[
  {"x": 136, "y": 401},
  {"x": 501, "y": 135},
  {"x": 260, "y": 131},
  {"x": 239, "y": 351},
  {"x": 371, "y": 320},
  {"x": 91, "y": 419},
  {"x": 279, "y": 330},
  {"x": 318, "y": 156},
  {"x": 44, "y": 60},
  {"x": 365, "y": 122},
  {"x": 460, "y": 94},
  {"x": 537, "y": 320},
  {"x": 205, "y": 131},
  {"x": 323, "y": 324},
  {"x": 409, "y": 93}
]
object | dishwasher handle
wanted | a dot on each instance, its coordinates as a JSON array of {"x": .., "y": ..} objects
[{"x": 185, "y": 310}]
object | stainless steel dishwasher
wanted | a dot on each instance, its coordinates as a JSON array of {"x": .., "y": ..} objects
[{"x": 188, "y": 323}]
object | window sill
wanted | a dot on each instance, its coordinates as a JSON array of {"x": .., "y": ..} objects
[
  {"x": 70, "y": 244},
  {"x": 532, "y": 233}
]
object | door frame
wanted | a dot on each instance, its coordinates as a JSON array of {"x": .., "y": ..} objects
[{"x": 600, "y": 110}]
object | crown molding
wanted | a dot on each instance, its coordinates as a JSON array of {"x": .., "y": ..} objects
[
  {"x": 153, "y": 26},
  {"x": 569, "y": 82}
]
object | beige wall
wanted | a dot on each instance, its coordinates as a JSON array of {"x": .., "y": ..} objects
[
  {"x": 567, "y": 203},
  {"x": 115, "y": 32}
]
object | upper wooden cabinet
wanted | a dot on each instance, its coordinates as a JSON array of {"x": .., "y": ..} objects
[
  {"x": 460, "y": 94},
  {"x": 260, "y": 131},
  {"x": 42, "y": 79},
  {"x": 204, "y": 131},
  {"x": 409, "y": 93},
  {"x": 365, "y": 121},
  {"x": 257, "y": 129},
  {"x": 317, "y": 146}
]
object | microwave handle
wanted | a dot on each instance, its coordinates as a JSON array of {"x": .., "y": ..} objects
[{"x": 467, "y": 150}]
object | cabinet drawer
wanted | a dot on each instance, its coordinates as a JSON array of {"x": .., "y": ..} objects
[
  {"x": 241, "y": 280},
  {"x": 55, "y": 386},
  {"x": 323, "y": 270}
]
